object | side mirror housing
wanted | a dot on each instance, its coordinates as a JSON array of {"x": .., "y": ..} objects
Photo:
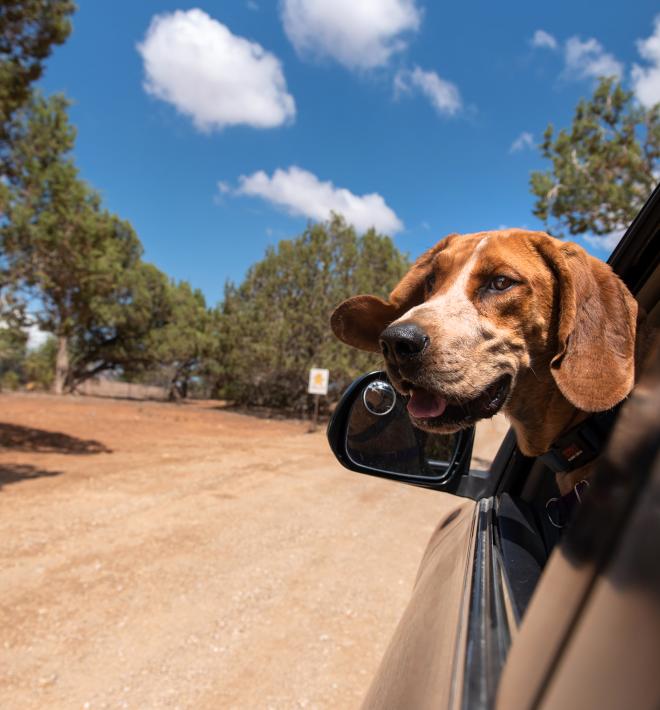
[{"x": 371, "y": 432}]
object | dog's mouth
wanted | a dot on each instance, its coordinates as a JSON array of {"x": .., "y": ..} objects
[{"x": 434, "y": 412}]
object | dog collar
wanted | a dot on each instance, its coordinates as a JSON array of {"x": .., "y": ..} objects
[{"x": 581, "y": 444}]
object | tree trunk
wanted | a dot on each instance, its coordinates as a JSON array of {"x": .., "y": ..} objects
[
  {"x": 61, "y": 364},
  {"x": 174, "y": 395}
]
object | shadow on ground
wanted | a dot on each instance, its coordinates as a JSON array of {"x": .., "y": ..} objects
[
  {"x": 22, "y": 438},
  {"x": 17, "y": 472}
]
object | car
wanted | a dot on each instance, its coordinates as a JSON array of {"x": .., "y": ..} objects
[{"x": 519, "y": 602}]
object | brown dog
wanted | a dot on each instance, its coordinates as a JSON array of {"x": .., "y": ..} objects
[{"x": 513, "y": 320}]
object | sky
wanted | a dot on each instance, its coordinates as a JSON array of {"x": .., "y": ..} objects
[{"x": 220, "y": 128}]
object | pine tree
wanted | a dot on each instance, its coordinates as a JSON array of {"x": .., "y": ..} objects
[{"x": 604, "y": 166}]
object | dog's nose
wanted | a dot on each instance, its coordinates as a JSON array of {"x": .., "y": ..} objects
[{"x": 403, "y": 342}]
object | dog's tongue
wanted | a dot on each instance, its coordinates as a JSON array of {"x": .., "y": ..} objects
[{"x": 424, "y": 405}]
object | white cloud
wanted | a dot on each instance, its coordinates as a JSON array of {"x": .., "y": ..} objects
[
  {"x": 524, "y": 140},
  {"x": 543, "y": 39},
  {"x": 443, "y": 95},
  {"x": 606, "y": 242},
  {"x": 646, "y": 81},
  {"x": 300, "y": 192},
  {"x": 359, "y": 34},
  {"x": 217, "y": 78},
  {"x": 588, "y": 60}
]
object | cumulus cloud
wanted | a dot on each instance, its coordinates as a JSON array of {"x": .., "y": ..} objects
[
  {"x": 588, "y": 60},
  {"x": 646, "y": 80},
  {"x": 524, "y": 140},
  {"x": 359, "y": 34},
  {"x": 217, "y": 78},
  {"x": 301, "y": 193},
  {"x": 443, "y": 95},
  {"x": 543, "y": 39}
]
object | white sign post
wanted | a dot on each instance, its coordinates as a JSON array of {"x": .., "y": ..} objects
[{"x": 318, "y": 385}]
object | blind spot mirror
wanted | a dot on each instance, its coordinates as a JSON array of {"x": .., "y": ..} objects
[{"x": 379, "y": 398}]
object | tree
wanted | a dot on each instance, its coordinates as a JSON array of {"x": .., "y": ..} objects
[
  {"x": 117, "y": 325},
  {"x": 39, "y": 365},
  {"x": 275, "y": 325},
  {"x": 80, "y": 263},
  {"x": 182, "y": 345},
  {"x": 13, "y": 349},
  {"x": 603, "y": 168},
  {"x": 28, "y": 31}
]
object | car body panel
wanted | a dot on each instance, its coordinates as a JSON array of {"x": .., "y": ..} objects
[{"x": 418, "y": 665}]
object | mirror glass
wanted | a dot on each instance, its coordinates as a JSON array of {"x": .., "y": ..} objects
[{"x": 381, "y": 436}]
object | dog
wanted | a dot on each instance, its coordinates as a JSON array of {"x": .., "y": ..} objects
[{"x": 509, "y": 320}]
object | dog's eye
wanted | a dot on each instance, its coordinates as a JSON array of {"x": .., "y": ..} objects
[
  {"x": 429, "y": 283},
  {"x": 500, "y": 283}
]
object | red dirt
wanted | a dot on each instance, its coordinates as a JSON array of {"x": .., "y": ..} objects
[{"x": 159, "y": 556}]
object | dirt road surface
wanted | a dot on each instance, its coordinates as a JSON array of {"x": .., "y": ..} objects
[{"x": 164, "y": 556}]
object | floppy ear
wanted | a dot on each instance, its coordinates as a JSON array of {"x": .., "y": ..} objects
[
  {"x": 594, "y": 366},
  {"x": 360, "y": 320}
]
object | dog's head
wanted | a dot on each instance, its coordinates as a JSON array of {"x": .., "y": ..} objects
[{"x": 478, "y": 312}]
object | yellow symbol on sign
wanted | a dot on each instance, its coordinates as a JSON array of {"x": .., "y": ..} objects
[{"x": 318, "y": 379}]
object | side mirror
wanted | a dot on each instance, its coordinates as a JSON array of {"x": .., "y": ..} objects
[{"x": 371, "y": 432}]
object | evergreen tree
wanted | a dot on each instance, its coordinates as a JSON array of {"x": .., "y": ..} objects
[
  {"x": 81, "y": 264},
  {"x": 603, "y": 168},
  {"x": 13, "y": 349},
  {"x": 182, "y": 346},
  {"x": 28, "y": 31},
  {"x": 275, "y": 326},
  {"x": 38, "y": 368}
]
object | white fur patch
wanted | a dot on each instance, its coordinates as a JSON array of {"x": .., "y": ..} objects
[{"x": 454, "y": 305}]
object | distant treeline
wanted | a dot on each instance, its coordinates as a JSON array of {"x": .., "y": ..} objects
[{"x": 254, "y": 348}]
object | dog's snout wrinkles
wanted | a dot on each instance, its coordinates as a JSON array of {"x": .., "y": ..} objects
[{"x": 403, "y": 342}]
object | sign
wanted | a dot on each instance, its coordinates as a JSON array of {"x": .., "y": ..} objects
[{"x": 318, "y": 381}]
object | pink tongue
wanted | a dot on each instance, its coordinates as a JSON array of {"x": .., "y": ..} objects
[{"x": 424, "y": 405}]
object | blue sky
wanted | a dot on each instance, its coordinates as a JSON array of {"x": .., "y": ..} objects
[{"x": 217, "y": 129}]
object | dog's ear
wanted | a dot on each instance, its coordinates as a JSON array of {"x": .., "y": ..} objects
[
  {"x": 360, "y": 320},
  {"x": 594, "y": 365}
]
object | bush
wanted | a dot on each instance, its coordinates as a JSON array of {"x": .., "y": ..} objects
[
  {"x": 39, "y": 365},
  {"x": 10, "y": 381}
]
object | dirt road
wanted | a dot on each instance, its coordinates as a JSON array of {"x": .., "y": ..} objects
[{"x": 163, "y": 556}]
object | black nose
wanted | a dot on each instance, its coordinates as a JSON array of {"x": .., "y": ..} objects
[{"x": 403, "y": 342}]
